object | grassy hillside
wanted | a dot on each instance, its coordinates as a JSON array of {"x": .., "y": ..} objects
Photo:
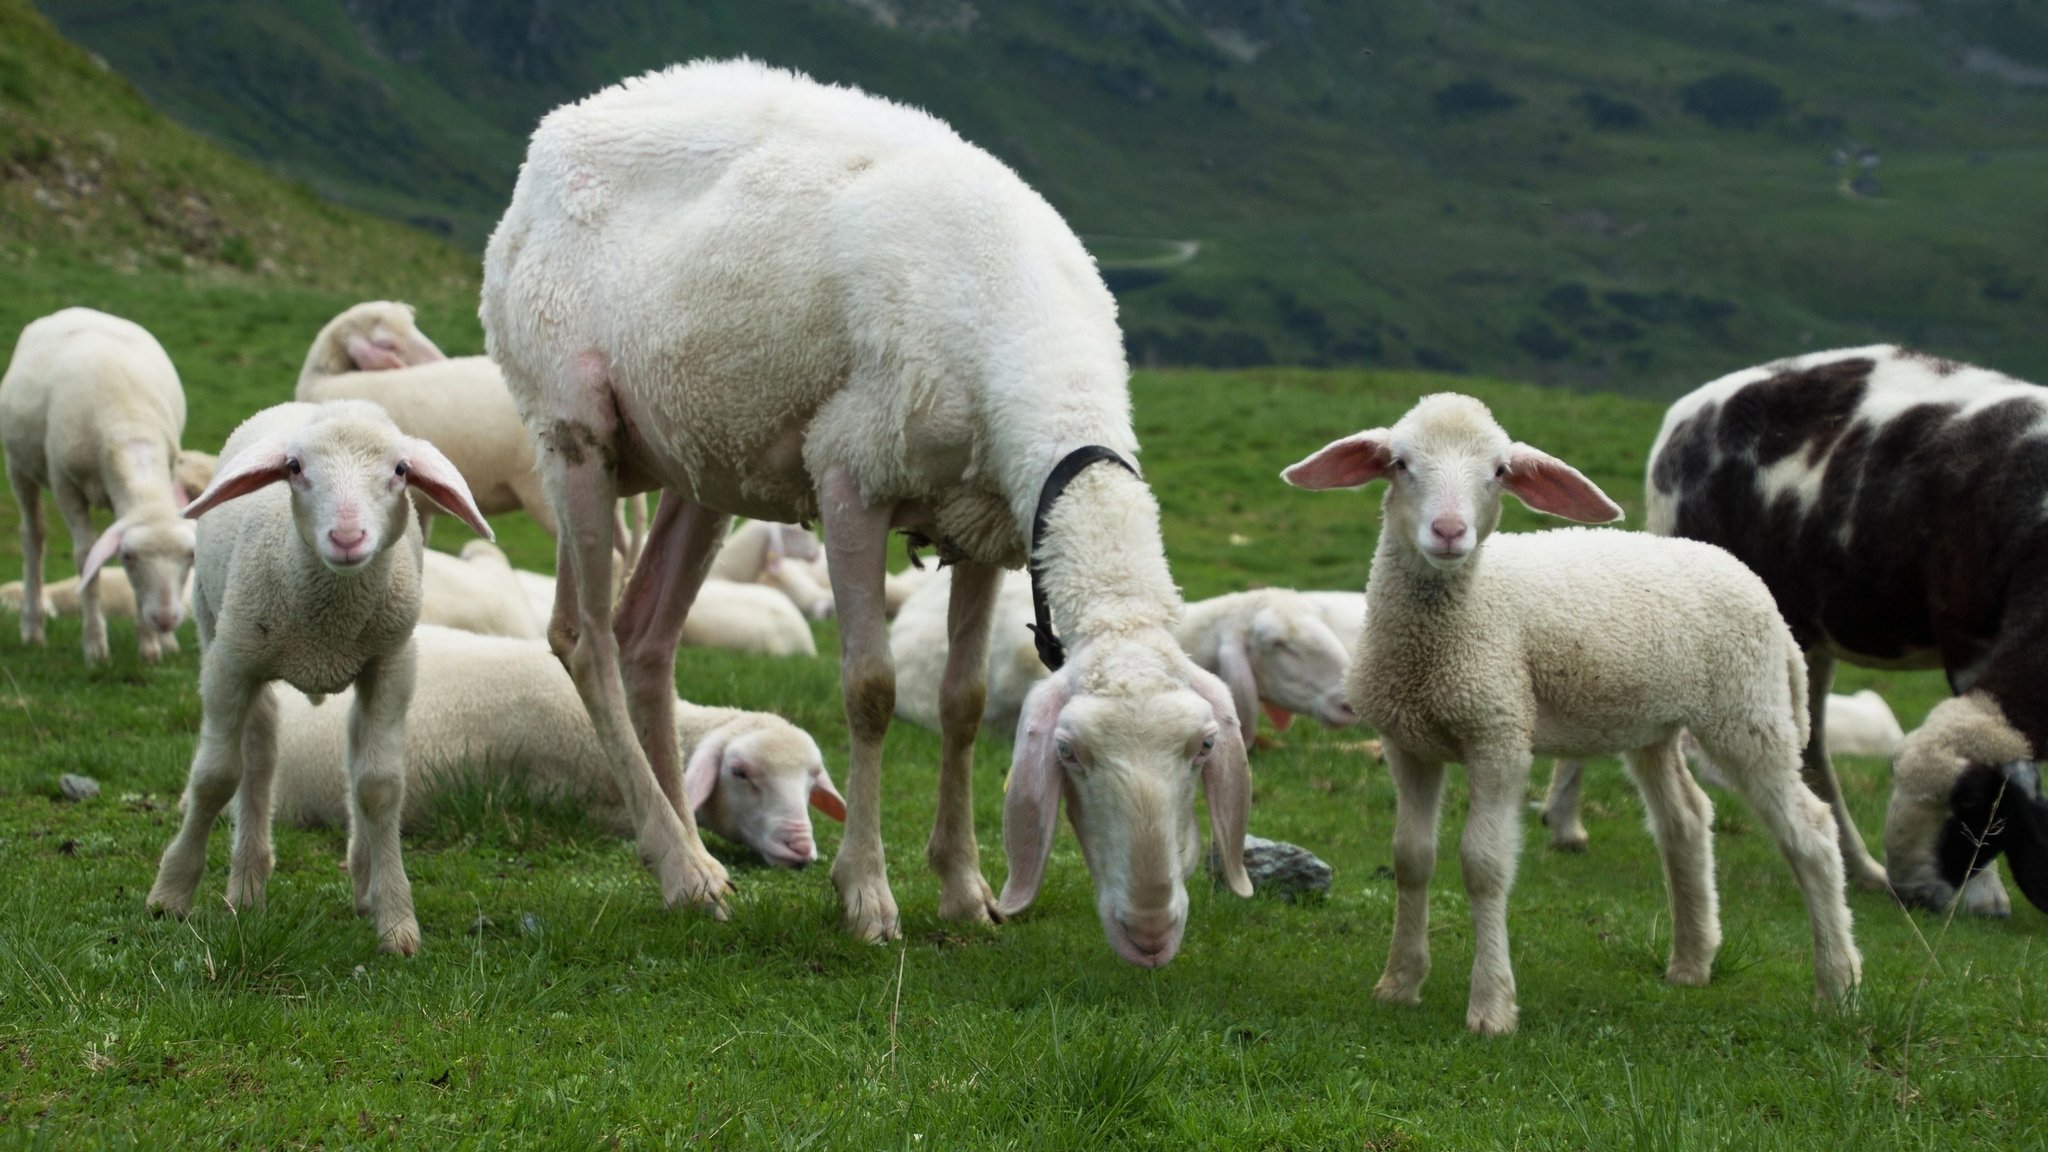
[{"x": 1634, "y": 194}]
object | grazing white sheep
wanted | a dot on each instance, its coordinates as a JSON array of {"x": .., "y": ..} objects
[
  {"x": 309, "y": 573},
  {"x": 91, "y": 409},
  {"x": 493, "y": 706},
  {"x": 774, "y": 298},
  {"x": 64, "y": 598},
  {"x": 477, "y": 593},
  {"x": 783, "y": 556},
  {"x": 738, "y": 617},
  {"x": 1575, "y": 642}
]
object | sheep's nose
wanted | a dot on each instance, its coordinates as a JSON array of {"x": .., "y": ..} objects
[
  {"x": 347, "y": 539},
  {"x": 1449, "y": 529},
  {"x": 1150, "y": 939},
  {"x": 164, "y": 621}
]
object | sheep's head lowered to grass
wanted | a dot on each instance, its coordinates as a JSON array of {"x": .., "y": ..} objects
[{"x": 349, "y": 471}]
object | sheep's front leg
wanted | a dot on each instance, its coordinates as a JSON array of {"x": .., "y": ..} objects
[
  {"x": 582, "y": 489},
  {"x": 1418, "y": 798},
  {"x": 34, "y": 530},
  {"x": 1489, "y": 850},
  {"x": 226, "y": 701},
  {"x": 250, "y": 864},
  {"x": 1682, "y": 818},
  {"x": 679, "y": 550},
  {"x": 856, "y": 542},
  {"x": 92, "y": 620},
  {"x": 376, "y": 770},
  {"x": 1561, "y": 806},
  {"x": 1817, "y": 768},
  {"x": 963, "y": 893}
]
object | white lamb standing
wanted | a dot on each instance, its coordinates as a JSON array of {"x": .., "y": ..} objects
[
  {"x": 1269, "y": 646},
  {"x": 1567, "y": 643},
  {"x": 478, "y": 592},
  {"x": 91, "y": 409},
  {"x": 494, "y": 706},
  {"x": 775, "y": 298},
  {"x": 787, "y": 557},
  {"x": 309, "y": 573}
]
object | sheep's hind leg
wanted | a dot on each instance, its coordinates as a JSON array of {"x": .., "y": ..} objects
[
  {"x": 376, "y": 769},
  {"x": 963, "y": 893},
  {"x": 1418, "y": 799},
  {"x": 680, "y": 547},
  {"x": 578, "y": 465},
  {"x": 92, "y": 619},
  {"x": 1818, "y": 770},
  {"x": 1561, "y": 806},
  {"x": 1681, "y": 818},
  {"x": 34, "y": 531},
  {"x": 1488, "y": 852},
  {"x": 250, "y": 863},
  {"x": 216, "y": 774},
  {"x": 856, "y": 542}
]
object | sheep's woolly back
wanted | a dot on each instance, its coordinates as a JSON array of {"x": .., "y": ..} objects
[{"x": 477, "y": 593}]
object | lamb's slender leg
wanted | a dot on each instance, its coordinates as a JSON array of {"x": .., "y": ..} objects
[
  {"x": 34, "y": 530},
  {"x": 249, "y": 866},
  {"x": 1818, "y": 769},
  {"x": 856, "y": 540},
  {"x": 1418, "y": 798},
  {"x": 226, "y": 701},
  {"x": 963, "y": 893},
  {"x": 92, "y": 619},
  {"x": 1681, "y": 818},
  {"x": 1763, "y": 770},
  {"x": 1561, "y": 806},
  {"x": 376, "y": 771},
  {"x": 680, "y": 548},
  {"x": 1488, "y": 851},
  {"x": 582, "y": 488}
]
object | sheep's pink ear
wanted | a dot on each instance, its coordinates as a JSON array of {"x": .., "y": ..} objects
[
  {"x": 1031, "y": 796},
  {"x": 1280, "y": 717},
  {"x": 430, "y": 472},
  {"x": 1234, "y": 667},
  {"x": 103, "y": 550},
  {"x": 1548, "y": 484},
  {"x": 825, "y": 798},
  {"x": 180, "y": 495},
  {"x": 1356, "y": 459},
  {"x": 1227, "y": 781},
  {"x": 368, "y": 357},
  {"x": 700, "y": 776},
  {"x": 254, "y": 467}
]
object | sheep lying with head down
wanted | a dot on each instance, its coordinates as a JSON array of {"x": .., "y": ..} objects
[
  {"x": 309, "y": 573},
  {"x": 736, "y": 617},
  {"x": 836, "y": 309},
  {"x": 478, "y": 592},
  {"x": 1574, "y": 643},
  {"x": 488, "y": 704},
  {"x": 782, "y": 556},
  {"x": 91, "y": 409}
]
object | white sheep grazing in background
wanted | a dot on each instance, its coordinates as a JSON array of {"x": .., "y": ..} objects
[
  {"x": 783, "y": 556},
  {"x": 1567, "y": 643},
  {"x": 309, "y": 573},
  {"x": 1344, "y": 612},
  {"x": 91, "y": 409},
  {"x": 774, "y": 298},
  {"x": 736, "y": 617},
  {"x": 66, "y": 598},
  {"x": 490, "y": 706},
  {"x": 1269, "y": 646},
  {"x": 477, "y": 593}
]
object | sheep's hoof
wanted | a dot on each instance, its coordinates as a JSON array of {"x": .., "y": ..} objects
[
  {"x": 967, "y": 899},
  {"x": 1390, "y": 990},
  {"x": 700, "y": 883},
  {"x": 1496, "y": 1021},
  {"x": 162, "y": 904},
  {"x": 1984, "y": 895},
  {"x": 1870, "y": 876},
  {"x": 96, "y": 653},
  {"x": 1689, "y": 975},
  {"x": 871, "y": 911},
  {"x": 1569, "y": 842},
  {"x": 401, "y": 939}
]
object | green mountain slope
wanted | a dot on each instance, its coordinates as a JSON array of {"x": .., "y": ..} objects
[{"x": 1627, "y": 193}]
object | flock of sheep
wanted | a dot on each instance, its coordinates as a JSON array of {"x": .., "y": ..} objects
[{"x": 796, "y": 303}]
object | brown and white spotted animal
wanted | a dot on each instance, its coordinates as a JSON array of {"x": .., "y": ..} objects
[{"x": 1897, "y": 506}]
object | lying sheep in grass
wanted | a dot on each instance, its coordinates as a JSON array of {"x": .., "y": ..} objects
[
  {"x": 91, "y": 409},
  {"x": 309, "y": 573},
  {"x": 488, "y": 705},
  {"x": 477, "y": 593},
  {"x": 1566, "y": 643},
  {"x": 1270, "y": 647},
  {"x": 786, "y": 557},
  {"x": 738, "y": 617},
  {"x": 66, "y": 598}
]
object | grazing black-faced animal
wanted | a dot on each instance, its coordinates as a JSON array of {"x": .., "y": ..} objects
[{"x": 1897, "y": 506}]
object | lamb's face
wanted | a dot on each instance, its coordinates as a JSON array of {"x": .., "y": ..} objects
[
  {"x": 348, "y": 493},
  {"x": 1299, "y": 663},
  {"x": 755, "y": 785},
  {"x": 158, "y": 560}
]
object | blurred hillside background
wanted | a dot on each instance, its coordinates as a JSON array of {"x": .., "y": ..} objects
[{"x": 1626, "y": 194}]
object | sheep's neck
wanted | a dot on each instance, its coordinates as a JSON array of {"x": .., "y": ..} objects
[
  {"x": 1103, "y": 560},
  {"x": 1399, "y": 571},
  {"x": 137, "y": 473}
]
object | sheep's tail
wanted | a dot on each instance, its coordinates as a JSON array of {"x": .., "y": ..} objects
[{"x": 1795, "y": 675}]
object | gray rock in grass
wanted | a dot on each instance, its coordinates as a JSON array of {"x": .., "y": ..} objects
[
  {"x": 1279, "y": 868},
  {"x": 79, "y": 788}
]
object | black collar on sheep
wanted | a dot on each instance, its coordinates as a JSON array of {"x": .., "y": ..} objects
[
  {"x": 1051, "y": 652},
  {"x": 1998, "y": 810}
]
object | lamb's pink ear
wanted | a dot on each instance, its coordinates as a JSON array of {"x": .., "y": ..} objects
[
  {"x": 430, "y": 472},
  {"x": 1227, "y": 781},
  {"x": 368, "y": 357},
  {"x": 257, "y": 466},
  {"x": 700, "y": 775},
  {"x": 1280, "y": 717},
  {"x": 1031, "y": 795},
  {"x": 1234, "y": 666},
  {"x": 180, "y": 495},
  {"x": 825, "y": 798},
  {"x": 103, "y": 550},
  {"x": 1356, "y": 459},
  {"x": 1548, "y": 484}
]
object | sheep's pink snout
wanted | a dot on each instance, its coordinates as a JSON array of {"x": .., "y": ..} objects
[
  {"x": 1149, "y": 942},
  {"x": 795, "y": 841},
  {"x": 164, "y": 620},
  {"x": 1448, "y": 530}
]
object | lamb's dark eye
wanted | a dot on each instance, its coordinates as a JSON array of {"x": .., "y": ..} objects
[
  {"x": 1500, "y": 472},
  {"x": 403, "y": 468},
  {"x": 1208, "y": 743},
  {"x": 1400, "y": 465},
  {"x": 292, "y": 466}
]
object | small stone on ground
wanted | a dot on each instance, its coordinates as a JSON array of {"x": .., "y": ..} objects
[
  {"x": 78, "y": 787},
  {"x": 1279, "y": 868}
]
